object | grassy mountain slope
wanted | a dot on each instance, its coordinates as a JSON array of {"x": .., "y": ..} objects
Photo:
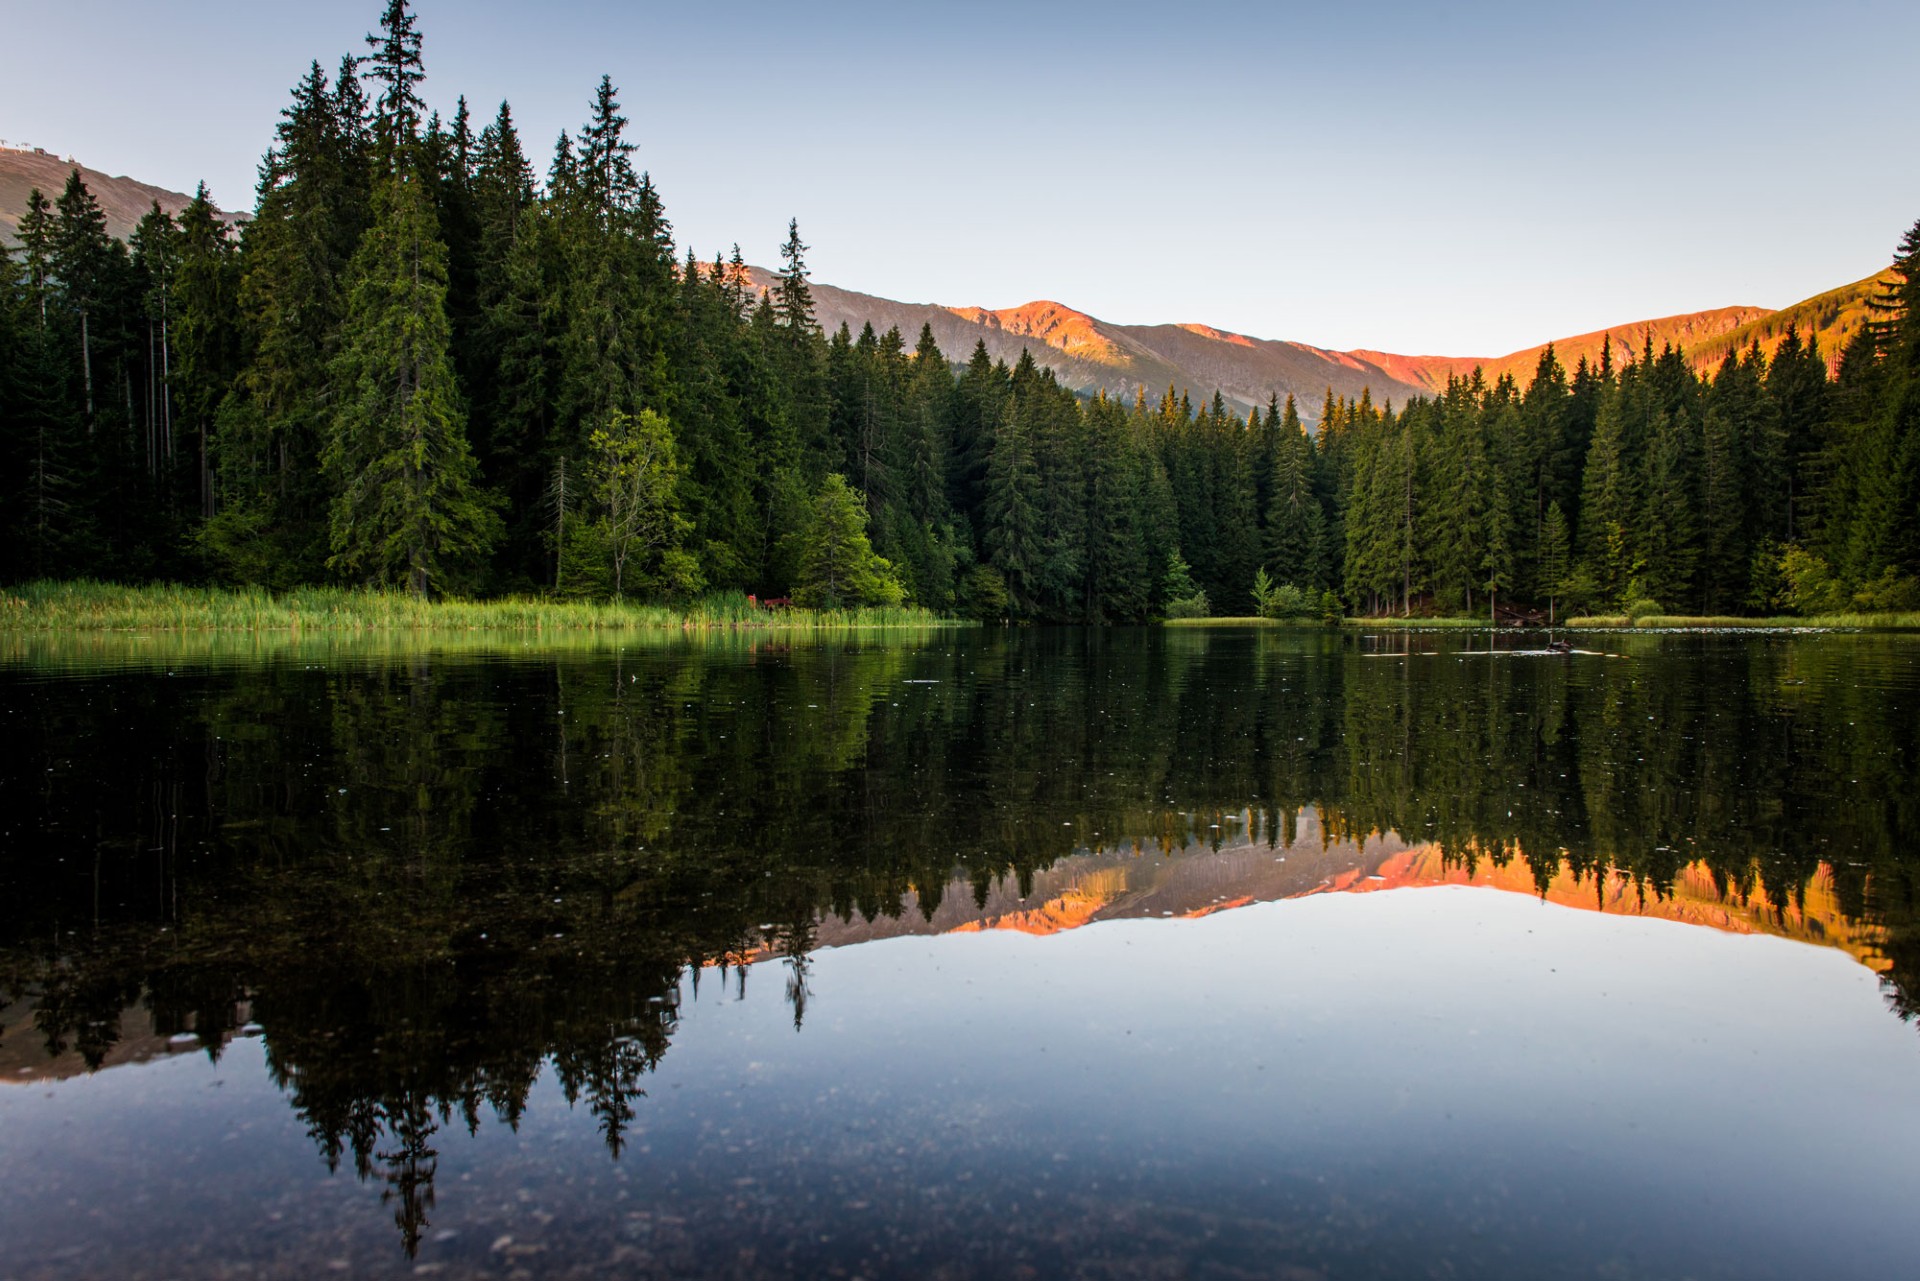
[
  {"x": 1833, "y": 318},
  {"x": 124, "y": 200},
  {"x": 1089, "y": 354},
  {"x": 1690, "y": 332}
]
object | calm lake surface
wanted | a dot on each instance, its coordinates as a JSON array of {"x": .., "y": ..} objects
[{"x": 1209, "y": 953}]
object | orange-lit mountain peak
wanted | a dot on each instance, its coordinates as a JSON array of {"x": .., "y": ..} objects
[
  {"x": 1177, "y": 880},
  {"x": 1218, "y": 335},
  {"x": 1055, "y": 324},
  {"x": 1073, "y": 907}
]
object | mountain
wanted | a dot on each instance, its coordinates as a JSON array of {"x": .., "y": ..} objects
[
  {"x": 124, "y": 200},
  {"x": 1195, "y": 880},
  {"x": 1690, "y": 332},
  {"x": 1834, "y": 317},
  {"x": 1089, "y": 354}
]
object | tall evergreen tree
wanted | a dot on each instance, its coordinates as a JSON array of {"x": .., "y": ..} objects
[
  {"x": 407, "y": 510},
  {"x": 270, "y": 504}
]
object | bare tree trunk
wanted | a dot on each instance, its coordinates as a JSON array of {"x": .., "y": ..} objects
[
  {"x": 153, "y": 426},
  {"x": 559, "y": 519},
  {"x": 86, "y": 366},
  {"x": 166, "y": 386}
]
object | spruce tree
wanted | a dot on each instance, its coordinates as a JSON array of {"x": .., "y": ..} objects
[
  {"x": 396, "y": 63},
  {"x": 1798, "y": 388},
  {"x": 270, "y": 501},
  {"x": 1116, "y": 582},
  {"x": 508, "y": 362},
  {"x": 83, "y": 256},
  {"x": 1012, "y": 511},
  {"x": 1556, "y": 556},
  {"x": 1292, "y": 551},
  {"x": 407, "y": 510},
  {"x": 207, "y": 340}
]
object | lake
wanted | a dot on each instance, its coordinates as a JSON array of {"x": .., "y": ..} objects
[{"x": 1127, "y": 953}]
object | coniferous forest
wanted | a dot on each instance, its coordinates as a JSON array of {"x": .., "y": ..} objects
[{"x": 424, "y": 365}]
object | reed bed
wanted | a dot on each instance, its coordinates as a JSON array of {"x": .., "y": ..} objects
[
  {"x": 90, "y": 606},
  {"x": 1424, "y": 624},
  {"x": 1243, "y": 620},
  {"x": 1893, "y": 621}
]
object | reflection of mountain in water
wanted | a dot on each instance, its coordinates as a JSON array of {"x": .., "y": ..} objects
[
  {"x": 431, "y": 880},
  {"x": 1144, "y": 882},
  {"x": 1140, "y": 881}
]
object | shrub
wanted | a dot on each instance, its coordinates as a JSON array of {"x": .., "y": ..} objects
[
  {"x": 1263, "y": 591},
  {"x": 1289, "y": 602},
  {"x": 1194, "y": 606},
  {"x": 1891, "y": 591},
  {"x": 982, "y": 594},
  {"x": 1811, "y": 587}
]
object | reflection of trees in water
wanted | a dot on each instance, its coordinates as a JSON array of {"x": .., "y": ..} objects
[{"x": 434, "y": 880}]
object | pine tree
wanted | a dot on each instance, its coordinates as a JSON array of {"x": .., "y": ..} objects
[
  {"x": 1669, "y": 523},
  {"x": 45, "y": 519},
  {"x": 1012, "y": 510},
  {"x": 1610, "y": 504},
  {"x": 1455, "y": 522},
  {"x": 793, "y": 297},
  {"x": 270, "y": 504},
  {"x": 607, "y": 347},
  {"x": 1292, "y": 550},
  {"x": 1500, "y": 559},
  {"x": 1183, "y": 597},
  {"x": 406, "y": 509},
  {"x": 1726, "y": 551},
  {"x": 508, "y": 363},
  {"x": 206, "y": 289},
  {"x": 396, "y": 63},
  {"x": 1116, "y": 585},
  {"x": 801, "y": 353},
  {"x": 1556, "y": 556},
  {"x": 977, "y": 398},
  {"x": 83, "y": 256},
  {"x": 1797, "y": 385}
]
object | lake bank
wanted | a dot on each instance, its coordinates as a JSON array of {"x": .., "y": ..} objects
[
  {"x": 1886, "y": 622},
  {"x": 96, "y": 607}
]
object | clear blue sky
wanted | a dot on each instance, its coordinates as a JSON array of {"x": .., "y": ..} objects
[{"x": 1465, "y": 178}]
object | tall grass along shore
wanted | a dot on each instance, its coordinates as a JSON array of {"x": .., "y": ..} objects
[
  {"x": 1892, "y": 621},
  {"x": 89, "y": 606}
]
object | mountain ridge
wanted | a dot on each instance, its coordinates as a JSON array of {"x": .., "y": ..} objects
[
  {"x": 1193, "y": 358},
  {"x": 124, "y": 201}
]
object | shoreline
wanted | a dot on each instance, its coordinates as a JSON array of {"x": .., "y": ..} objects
[{"x": 89, "y": 608}]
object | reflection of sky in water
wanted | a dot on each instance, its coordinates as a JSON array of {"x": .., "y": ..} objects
[{"x": 1371, "y": 1085}]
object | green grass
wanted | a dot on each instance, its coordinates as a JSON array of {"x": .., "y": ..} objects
[
  {"x": 1869, "y": 622},
  {"x": 1247, "y": 620},
  {"x": 90, "y": 607},
  {"x": 168, "y": 650},
  {"x": 1424, "y": 624},
  {"x": 1864, "y": 622}
]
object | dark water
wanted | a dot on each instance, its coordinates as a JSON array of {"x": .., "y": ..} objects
[{"x": 1183, "y": 953}]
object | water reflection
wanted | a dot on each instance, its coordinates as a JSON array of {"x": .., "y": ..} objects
[{"x": 428, "y": 877}]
